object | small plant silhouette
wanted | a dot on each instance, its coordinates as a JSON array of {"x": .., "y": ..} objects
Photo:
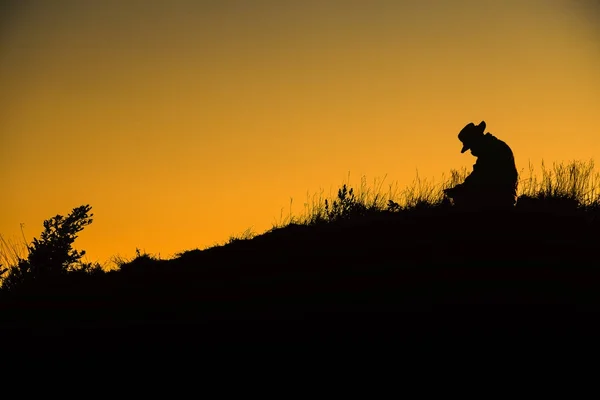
[
  {"x": 52, "y": 254},
  {"x": 248, "y": 234},
  {"x": 393, "y": 206},
  {"x": 345, "y": 206}
]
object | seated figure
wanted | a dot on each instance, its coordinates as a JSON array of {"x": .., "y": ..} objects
[{"x": 493, "y": 183}]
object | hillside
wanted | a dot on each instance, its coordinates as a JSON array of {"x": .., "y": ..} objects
[
  {"x": 365, "y": 268},
  {"x": 354, "y": 267}
]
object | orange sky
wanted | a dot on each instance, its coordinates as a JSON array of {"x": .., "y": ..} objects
[{"x": 184, "y": 122}]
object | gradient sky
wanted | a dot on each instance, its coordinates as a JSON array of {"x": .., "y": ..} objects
[{"x": 184, "y": 122}]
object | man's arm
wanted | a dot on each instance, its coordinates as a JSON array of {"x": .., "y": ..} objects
[
  {"x": 459, "y": 187},
  {"x": 474, "y": 178}
]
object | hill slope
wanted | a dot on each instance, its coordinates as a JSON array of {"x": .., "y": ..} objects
[{"x": 367, "y": 268}]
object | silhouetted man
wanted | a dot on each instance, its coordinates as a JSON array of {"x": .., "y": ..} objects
[{"x": 493, "y": 182}]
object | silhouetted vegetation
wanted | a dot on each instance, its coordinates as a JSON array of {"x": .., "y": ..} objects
[
  {"x": 51, "y": 255},
  {"x": 362, "y": 250}
]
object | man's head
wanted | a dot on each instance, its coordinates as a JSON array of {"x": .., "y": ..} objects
[{"x": 471, "y": 136}]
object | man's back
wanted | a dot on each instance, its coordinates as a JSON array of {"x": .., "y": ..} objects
[
  {"x": 494, "y": 177},
  {"x": 496, "y": 162}
]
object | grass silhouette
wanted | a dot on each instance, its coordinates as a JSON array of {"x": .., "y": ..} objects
[{"x": 362, "y": 254}]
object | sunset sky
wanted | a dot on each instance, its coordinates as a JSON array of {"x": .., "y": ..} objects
[{"x": 184, "y": 122}]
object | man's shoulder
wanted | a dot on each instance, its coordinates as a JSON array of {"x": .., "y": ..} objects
[{"x": 500, "y": 144}]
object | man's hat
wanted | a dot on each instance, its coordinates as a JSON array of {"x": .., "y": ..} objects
[{"x": 471, "y": 133}]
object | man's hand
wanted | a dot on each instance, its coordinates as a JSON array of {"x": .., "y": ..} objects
[{"x": 453, "y": 191}]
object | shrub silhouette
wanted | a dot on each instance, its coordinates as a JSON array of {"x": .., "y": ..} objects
[
  {"x": 345, "y": 206},
  {"x": 52, "y": 254}
]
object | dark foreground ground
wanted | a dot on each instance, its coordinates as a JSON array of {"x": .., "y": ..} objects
[{"x": 376, "y": 278}]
